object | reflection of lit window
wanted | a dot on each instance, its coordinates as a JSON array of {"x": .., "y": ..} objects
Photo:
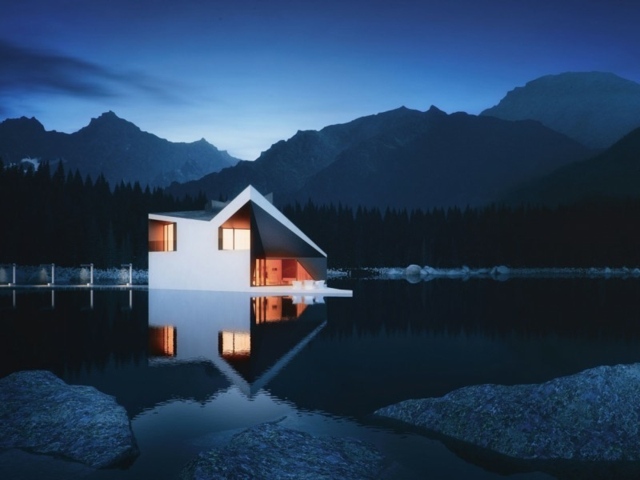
[
  {"x": 162, "y": 341},
  {"x": 169, "y": 234},
  {"x": 162, "y": 236},
  {"x": 235, "y": 343},
  {"x": 236, "y": 239},
  {"x": 276, "y": 309}
]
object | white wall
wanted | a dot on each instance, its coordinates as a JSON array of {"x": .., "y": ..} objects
[
  {"x": 197, "y": 264},
  {"x": 198, "y": 318}
]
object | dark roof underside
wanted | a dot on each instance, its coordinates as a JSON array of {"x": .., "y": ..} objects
[{"x": 270, "y": 238}]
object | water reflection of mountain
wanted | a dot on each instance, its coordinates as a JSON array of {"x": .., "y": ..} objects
[{"x": 575, "y": 307}]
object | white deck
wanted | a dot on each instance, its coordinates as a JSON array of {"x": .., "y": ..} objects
[
  {"x": 278, "y": 290},
  {"x": 289, "y": 290}
]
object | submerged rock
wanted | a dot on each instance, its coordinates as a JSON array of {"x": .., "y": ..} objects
[
  {"x": 41, "y": 413},
  {"x": 500, "y": 270},
  {"x": 428, "y": 271},
  {"x": 269, "y": 451},
  {"x": 412, "y": 273},
  {"x": 591, "y": 416}
]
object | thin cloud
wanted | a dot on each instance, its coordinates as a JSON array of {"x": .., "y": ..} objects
[{"x": 26, "y": 70}]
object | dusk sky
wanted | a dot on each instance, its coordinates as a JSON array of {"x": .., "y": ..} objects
[{"x": 246, "y": 73}]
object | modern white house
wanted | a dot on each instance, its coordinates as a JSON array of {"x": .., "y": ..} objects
[{"x": 245, "y": 244}]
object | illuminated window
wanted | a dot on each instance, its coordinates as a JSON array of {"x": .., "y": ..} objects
[
  {"x": 227, "y": 239},
  {"x": 162, "y": 236},
  {"x": 235, "y": 239},
  {"x": 162, "y": 341},
  {"x": 234, "y": 343}
]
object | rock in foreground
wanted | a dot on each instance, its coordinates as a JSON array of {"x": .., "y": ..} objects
[
  {"x": 269, "y": 451},
  {"x": 590, "y": 416},
  {"x": 41, "y": 413}
]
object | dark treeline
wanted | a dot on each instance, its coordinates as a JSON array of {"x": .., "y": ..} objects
[
  {"x": 603, "y": 232},
  {"x": 59, "y": 217}
]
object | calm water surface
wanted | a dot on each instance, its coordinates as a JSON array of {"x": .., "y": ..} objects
[{"x": 193, "y": 368}]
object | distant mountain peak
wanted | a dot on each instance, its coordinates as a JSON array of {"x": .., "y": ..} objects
[
  {"x": 31, "y": 124},
  {"x": 110, "y": 124},
  {"x": 109, "y": 114},
  {"x": 584, "y": 78},
  {"x": 108, "y": 117},
  {"x": 114, "y": 147},
  {"x": 434, "y": 109},
  {"x": 594, "y": 108}
]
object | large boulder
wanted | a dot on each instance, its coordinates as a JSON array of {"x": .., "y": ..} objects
[
  {"x": 41, "y": 413},
  {"x": 592, "y": 416},
  {"x": 269, "y": 451}
]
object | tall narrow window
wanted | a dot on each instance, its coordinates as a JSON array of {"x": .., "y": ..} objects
[
  {"x": 162, "y": 236},
  {"x": 169, "y": 237},
  {"x": 162, "y": 341}
]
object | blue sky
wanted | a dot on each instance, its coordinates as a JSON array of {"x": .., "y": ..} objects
[{"x": 247, "y": 73}]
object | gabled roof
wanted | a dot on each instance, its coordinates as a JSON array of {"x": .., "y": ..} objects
[
  {"x": 268, "y": 224},
  {"x": 250, "y": 194}
]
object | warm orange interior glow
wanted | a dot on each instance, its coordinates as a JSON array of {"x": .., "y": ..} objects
[
  {"x": 235, "y": 233},
  {"x": 268, "y": 309},
  {"x": 235, "y": 343},
  {"x": 279, "y": 271},
  {"x": 235, "y": 239},
  {"x": 162, "y": 236},
  {"x": 276, "y": 309},
  {"x": 162, "y": 341}
]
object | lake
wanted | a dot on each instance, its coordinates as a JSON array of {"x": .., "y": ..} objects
[{"x": 193, "y": 368}]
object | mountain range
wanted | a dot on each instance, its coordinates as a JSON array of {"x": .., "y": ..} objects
[
  {"x": 114, "y": 147},
  {"x": 554, "y": 140},
  {"x": 400, "y": 158},
  {"x": 446, "y": 160},
  {"x": 408, "y": 158}
]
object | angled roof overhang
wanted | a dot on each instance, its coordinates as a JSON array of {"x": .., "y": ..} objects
[
  {"x": 271, "y": 238},
  {"x": 273, "y": 234}
]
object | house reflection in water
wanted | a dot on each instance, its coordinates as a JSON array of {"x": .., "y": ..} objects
[
  {"x": 249, "y": 339},
  {"x": 234, "y": 344}
]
